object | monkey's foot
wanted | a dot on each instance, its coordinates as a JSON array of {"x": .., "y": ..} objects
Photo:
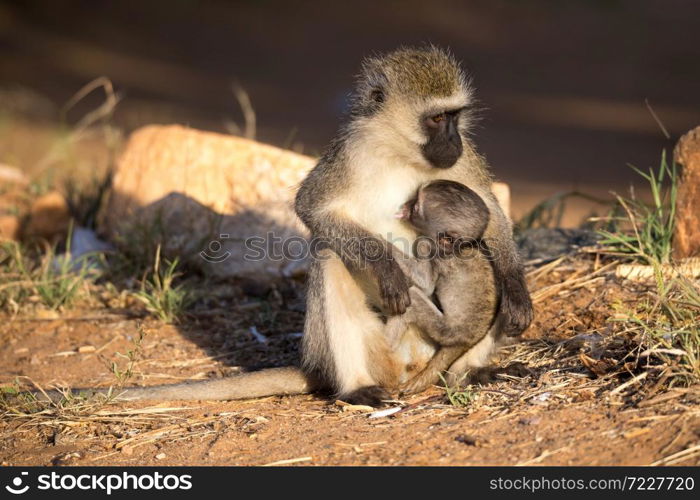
[
  {"x": 421, "y": 382},
  {"x": 371, "y": 395}
]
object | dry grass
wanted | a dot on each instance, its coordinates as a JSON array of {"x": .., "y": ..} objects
[{"x": 27, "y": 277}]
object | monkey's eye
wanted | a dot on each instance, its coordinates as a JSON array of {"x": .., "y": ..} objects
[
  {"x": 445, "y": 239},
  {"x": 434, "y": 121}
]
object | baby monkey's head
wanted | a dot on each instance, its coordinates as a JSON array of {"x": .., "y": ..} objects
[{"x": 446, "y": 212}]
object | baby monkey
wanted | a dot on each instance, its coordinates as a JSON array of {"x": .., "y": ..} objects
[{"x": 453, "y": 263}]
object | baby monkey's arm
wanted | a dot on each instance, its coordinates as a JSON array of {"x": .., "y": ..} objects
[
  {"x": 420, "y": 272},
  {"x": 445, "y": 330},
  {"x": 428, "y": 318},
  {"x": 422, "y": 276},
  {"x": 423, "y": 313}
]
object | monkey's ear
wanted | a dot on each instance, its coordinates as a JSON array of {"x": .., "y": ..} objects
[{"x": 377, "y": 95}]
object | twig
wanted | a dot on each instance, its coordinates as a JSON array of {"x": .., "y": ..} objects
[
  {"x": 681, "y": 456},
  {"x": 544, "y": 455},
  {"x": 630, "y": 382},
  {"x": 288, "y": 461},
  {"x": 247, "y": 109},
  {"x": 258, "y": 336},
  {"x": 658, "y": 121}
]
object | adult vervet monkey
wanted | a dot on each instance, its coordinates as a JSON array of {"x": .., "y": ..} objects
[{"x": 408, "y": 125}]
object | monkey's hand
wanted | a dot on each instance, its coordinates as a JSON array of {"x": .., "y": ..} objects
[
  {"x": 393, "y": 286},
  {"x": 516, "y": 306}
]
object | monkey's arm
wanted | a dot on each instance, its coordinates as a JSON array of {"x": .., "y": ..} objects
[
  {"x": 420, "y": 272},
  {"x": 431, "y": 321},
  {"x": 446, "y": 330},
  {"x": 423, "y": 313},
  {"x": 358, "y": 249},
  {"x": 426, "y": 316},
  {"x": 515, "y": 303}
]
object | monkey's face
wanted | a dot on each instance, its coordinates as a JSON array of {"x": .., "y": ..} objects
[
  {"x": 429, "y": 223},
  {"x": 424, "y": 216},
  {"x": 444, "y": 146},
  {"x": 414, "y": 105},
  {"x": 446, "y": 212}
]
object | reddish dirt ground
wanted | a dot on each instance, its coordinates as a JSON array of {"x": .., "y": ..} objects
[{"x": 560, "y": 413}]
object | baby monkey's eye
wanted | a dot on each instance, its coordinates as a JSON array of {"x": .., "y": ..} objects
[{"x": 445, "y": 239}]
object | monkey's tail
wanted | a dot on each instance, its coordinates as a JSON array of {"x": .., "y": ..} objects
[{"x": 282, "y": 381}]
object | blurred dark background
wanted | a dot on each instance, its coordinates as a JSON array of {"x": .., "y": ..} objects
[{"x": 562, "y": 83}]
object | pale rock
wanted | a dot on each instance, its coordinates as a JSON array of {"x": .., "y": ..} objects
[
  {"x": 9, "y": 227},
  {"x": 12, "y": 175},
  {"x": 207, "y": 193},
  {"x": 49, "y": 218}
]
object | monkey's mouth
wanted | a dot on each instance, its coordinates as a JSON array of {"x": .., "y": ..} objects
[
  {"x": 403, "y": 212},
  {"x": 444, "y": 145}
]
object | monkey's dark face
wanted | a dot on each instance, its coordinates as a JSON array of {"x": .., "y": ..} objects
[{"x": 444, "y": 146}]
